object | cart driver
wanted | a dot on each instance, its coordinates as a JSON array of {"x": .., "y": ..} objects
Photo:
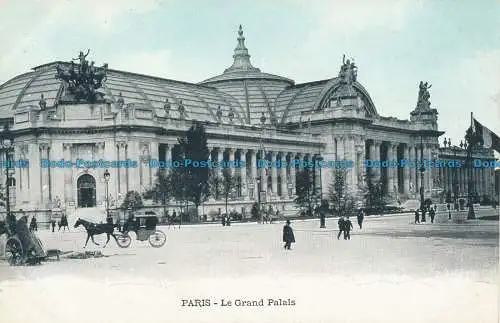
[
  {"x": 10, "y": 221},
  {"x": 130, "y": 224},
  {"x": 24, "y": 234}
]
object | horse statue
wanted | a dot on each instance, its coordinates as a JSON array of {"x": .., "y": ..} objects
[{"x": 96, "y": 229}]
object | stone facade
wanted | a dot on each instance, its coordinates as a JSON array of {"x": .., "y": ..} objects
[{"x": 248, "y": 115}]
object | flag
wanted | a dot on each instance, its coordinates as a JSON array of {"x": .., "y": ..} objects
[{"x": 489, "y": 138}]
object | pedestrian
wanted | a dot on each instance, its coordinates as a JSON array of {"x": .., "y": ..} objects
[
  {"x": 341, "y": 224},
  {"x": 432, "y": 213},
  {"x": 288, "y": 237},
  {"x": 361, "y": 217},
  {"x": 417, "y": 216},
  {"x": 228, "y": 220},
  {"x": 33, "y": 225},
  {"x": 347, "y": 229},
  {"x": 53, "y": 224},
  {"x": 223, "y": 218},
  {"x": 449, "y": 211}
]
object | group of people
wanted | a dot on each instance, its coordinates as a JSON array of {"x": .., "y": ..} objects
[
  {"x": 344, "y": 223},
  {"x": 431, "y": 210},
  {"x": 270, "y": 216}
]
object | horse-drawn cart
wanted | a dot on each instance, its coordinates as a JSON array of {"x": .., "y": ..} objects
[
  {"x": 144, "y": 227},
  {"x": 22, "y": 246}
]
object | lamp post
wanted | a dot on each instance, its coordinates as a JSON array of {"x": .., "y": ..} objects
[
  {"x": 422, "y": 170},
  {"x": 455, "y": 181},
  {"x": 106, "y": 180},
  {"x": 7, "y": 147},
  {"x": 258, "y": 199}
]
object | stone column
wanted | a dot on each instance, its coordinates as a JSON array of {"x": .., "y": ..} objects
[
  {"x": 483, "y": 181},
  {"x": 417, "y": 169},
  {"x": 18, "y": 174},
  {"x": 390, "y": 171},
  {"x": 340, "y": 148},
  {"x": 243, "y": 173},
  {"x": 253, "y": 172},
  {"x": 395, "y": 174},
  {"x": 168, "y": 157},
  {"x": 263, "y": 175},
  {"x": 353, "y": 156},
  {"x": 68, "y": 178},
  {"x": 231, "y": 161},
  {"x": 220, "y": 159},
  {"x": 122, "y": 155},
  {"x": 274, "y": 174},
  {"x": 361, "y": 169},
  {"x": 341, "y": 152},
  {"x": 284, "y": 181},
  {"x": 377, "y": 171},
  {"x": 153, "y": 154},
  {"x": 430, "y": 170},
  {"x": 451, "y": 173},
  {"x": 110, "y": 152},
  {"x": 292, "y": 174},
  {"x": 372, "y": 158},
  {"x": 138, "y": 152},
  {"x": 45, "y": 175},
  {"x": 35, "y": 174},
  {"x": 406, "y": 171}
]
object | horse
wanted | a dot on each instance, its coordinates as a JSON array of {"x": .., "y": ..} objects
[
  {"x": 63, "y": 223},
  {"x": 96, "y": 229}
]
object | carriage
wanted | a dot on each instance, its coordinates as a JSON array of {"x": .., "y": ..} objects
[
  {"x": 144, "y": 227},
  {"x": 22, "y": 246}
]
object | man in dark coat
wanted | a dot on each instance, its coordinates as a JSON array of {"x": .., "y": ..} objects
[
  {"x": 341, "y": 224},
  {"x": 33, "y": 224},
  {"x": 10, "y": 221},
  {"x": 361, "y": 217},
  {"x": 347, "y": 229},
  {"x": 417, "y": 216},
  {"x": 24, "y": 234},
  {"x": 288, "y": 237},
  {"x": 432, "y": 214}
]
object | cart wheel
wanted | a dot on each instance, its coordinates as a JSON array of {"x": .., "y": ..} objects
[
  {"x": 123, "y": 240},
  {"x": 14, "y": 251},
  {"x": 157, "y": 239}
]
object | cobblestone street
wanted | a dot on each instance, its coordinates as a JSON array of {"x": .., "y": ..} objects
[{"x": 390, "y": 271}]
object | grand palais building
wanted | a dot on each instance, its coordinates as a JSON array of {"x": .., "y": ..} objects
[{"x": 77, "y": 111}]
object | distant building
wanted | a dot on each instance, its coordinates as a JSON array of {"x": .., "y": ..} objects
[{"x": 75, "y": 111}]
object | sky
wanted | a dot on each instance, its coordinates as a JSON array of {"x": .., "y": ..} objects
[{"x": 452, "y": 44}]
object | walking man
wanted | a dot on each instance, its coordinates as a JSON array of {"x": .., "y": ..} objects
[
  {"x": 341, "y": 224},
  {"x": 347, "y": 229},
  {"x": 417, "y": 216},
  {"x": 361, "y": 217},
  {"x": 288, "y": 237},
  {"x": 432, "y": 213}
]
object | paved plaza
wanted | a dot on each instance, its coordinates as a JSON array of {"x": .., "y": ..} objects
[{"x": 390, "y": 271}]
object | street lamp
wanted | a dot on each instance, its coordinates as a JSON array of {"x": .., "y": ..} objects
[
  {"x": 7, "y": 147},
  {"x": 455, "y": 181},
  {"x": 258, "y": 200},
  {"x": 422, "y": 170},
  {"x": 106, "y": 179}
]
